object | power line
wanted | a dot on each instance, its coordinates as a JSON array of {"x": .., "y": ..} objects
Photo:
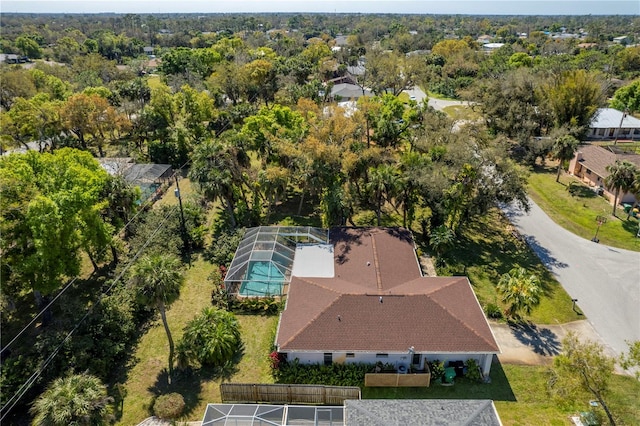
[
  {"x": 23, "y": 389},
  {"x": 70, "y": 283}
]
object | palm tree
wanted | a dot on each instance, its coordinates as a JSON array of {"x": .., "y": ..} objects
[
  {"x": 217, "y": 170},
  {"x": 157, "y": 280},
  {"x": 211, "y": 338},
  {"x": 441, "y": 238},
  {"x": 77, "y": 399},
  {"x": 622, "y": 175},
  {"x": 564, "y": 148},
  {"x": 520, "y": 290},
  {"x": 635, "y": 189},
  {"x": 383, "y": 182}
]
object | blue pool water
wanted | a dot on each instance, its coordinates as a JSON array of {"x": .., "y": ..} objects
[{"x": 263, "y": 279}]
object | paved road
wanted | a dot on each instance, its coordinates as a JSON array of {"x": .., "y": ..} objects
[
  {"x": 438, "y": 104},
  {"x": 605, "y": 280}
]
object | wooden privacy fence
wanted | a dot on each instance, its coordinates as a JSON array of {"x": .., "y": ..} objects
[{"x": 287, "y": 394}]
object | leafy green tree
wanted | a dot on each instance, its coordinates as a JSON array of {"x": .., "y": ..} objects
[
  {"x": 157, "y": 280},
  {"x": 29, "y": 47},
  {"x": 631, "y": 359},
  {"x": 51, "y": 209},
  {"x": 582, "y": 366},
  {"x": 621, "y": 178},
  {"x": 77, "y": 399},
  {"x": 627, "y": 98},
  {"x": 271, "y": 128},
  {"x": 564, "y": 148},
  {"x": 211, "y": 338},
  {"x": 217, "y": 170},
  {"x": 384, "y": 183},
  {"x": 572, "y": 98},
  {"x": 520, "y": 290},
  {"x": 91, "y": 119},
  {"x": 459, "y": 195},
  {"x": 520, "y": 59},
  {"x": 16, "y": 83}
]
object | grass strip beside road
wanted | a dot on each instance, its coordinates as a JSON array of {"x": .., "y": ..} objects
[
  {"x": 487, "y": 248},
  {"x": 575, "y": 207}
]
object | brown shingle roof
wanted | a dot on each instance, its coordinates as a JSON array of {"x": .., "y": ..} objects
[
  {"x": 433, "y": 314},
  {"x": 596, "y": 159}
]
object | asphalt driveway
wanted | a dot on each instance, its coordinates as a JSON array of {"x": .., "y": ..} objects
[{"x": 605, "y": 280}]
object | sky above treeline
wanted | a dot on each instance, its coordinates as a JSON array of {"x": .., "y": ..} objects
[{"x": 463, "y": 7}]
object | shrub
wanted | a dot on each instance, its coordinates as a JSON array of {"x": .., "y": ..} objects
[
  {"x": 256, "y": 305},
  {"x": 169, "y": 406},
  {"x": 319, "y": 374},
  {"x": 473, "y": 370},
  {"x": 437, "y": 369},
  {"x": 211, "y": 338},
  {"x": 493, "y": 311},
  {"x": 223, "y": 247}
]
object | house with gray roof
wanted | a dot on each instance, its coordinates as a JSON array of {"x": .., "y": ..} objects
[
  {"x": 370, "y": 412},
  {"x": 425, "y": 412},
  {"x": 348, "y": 92},
  {"x": 372, "y": 304},
  {"x": 609, "y": 123}
]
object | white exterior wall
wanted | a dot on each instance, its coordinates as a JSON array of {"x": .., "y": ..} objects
[{"x": 396, "y": 359}]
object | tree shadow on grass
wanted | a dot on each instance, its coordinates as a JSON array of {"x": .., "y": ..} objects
[
  {"x": 544, "y": 254},
  {"x": 188, "y": 382},
  {"x": 542, "y": 340},
  {"x": 631, "y": 226},
  {"x": 581, "y": 191}
]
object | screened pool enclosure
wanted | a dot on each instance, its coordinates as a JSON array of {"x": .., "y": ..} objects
[{"x": 264, "y": 259}]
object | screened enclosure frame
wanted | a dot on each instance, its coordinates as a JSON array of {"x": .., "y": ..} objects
[
  {"x": 272, "y": 415},
  {"x": 264, "y": 258}
]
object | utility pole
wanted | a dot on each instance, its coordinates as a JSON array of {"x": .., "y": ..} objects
[
  {"x": 624, "y": 115},
  {"x": 183, "y": 226}
]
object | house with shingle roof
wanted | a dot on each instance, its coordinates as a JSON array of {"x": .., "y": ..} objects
[
  {"x": 374, "y": 305},
  {"x": 590, "y": 165},
  {"x": 348, "y": 92}
]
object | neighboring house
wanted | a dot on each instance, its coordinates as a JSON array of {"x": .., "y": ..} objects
[
  {"x": 341, "y": 40},
  {"x": 387, "y": 412},
  {"x": 609, "y": 123},
  {"x": 148, "y": 50},
  {"x": 590, "y": 165},
  {"x": 491, "y": 47},
  {"x": 148, "y": 177},
  {"x": 12, "y": 58},
  {"x": 348, "y": 92},
  {"x": 425, "y": 412},
  {"x": 621, "y": 40},
  {"x": 484, "y": 39},
  {"x": 369, "y": 302}
]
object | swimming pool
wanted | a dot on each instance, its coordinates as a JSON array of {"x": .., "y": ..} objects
[{"x": 262, "y": 279}]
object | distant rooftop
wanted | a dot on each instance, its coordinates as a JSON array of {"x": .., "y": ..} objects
[{"x": 607, "y": 118}]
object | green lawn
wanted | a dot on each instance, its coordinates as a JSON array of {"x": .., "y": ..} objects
[
  {"x": 574, "y": 206},
  {"x": 486, "y": 249},
  {"x": 147, "y": 377},
  {"x": 520, "y": 395}
]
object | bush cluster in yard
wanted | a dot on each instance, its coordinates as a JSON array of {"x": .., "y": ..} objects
[
  {"x": 169, "y": 406},
  {"x": 493, "y": 311},
  {"x": 318, "y": 374}
]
